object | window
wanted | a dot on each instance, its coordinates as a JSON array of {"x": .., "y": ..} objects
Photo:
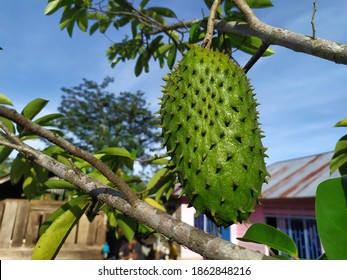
[
  {"x": 203, "y": 223},
  {"x": 304, "y": 233}
]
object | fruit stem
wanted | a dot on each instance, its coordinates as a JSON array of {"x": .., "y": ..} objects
[{"x": 210, "y": 25}]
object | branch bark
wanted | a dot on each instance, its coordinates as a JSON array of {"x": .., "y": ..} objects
[
  {"x": 202, "y": 243},
  {"x": 325, "y": 49}
]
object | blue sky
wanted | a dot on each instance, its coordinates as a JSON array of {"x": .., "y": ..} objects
[{"x": 301, "y": 97}]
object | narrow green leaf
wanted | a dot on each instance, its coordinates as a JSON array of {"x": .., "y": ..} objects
[
  {"x": 163, "y": 49},
  {"x": 111, "y": 219},
  {"x": 163, "y": 189},
  {"x": 52, "y": 6},
  {"x": 254, "y": 4},
  {"x": 155, "y": 180},
  {"x": 34, "y": 178},
  {"x": 193, "y": 32},
  {"x": 18, "y": 168},
  {"x": 165, "y": 12},
  {"x": 259, "y": 3},
  {"x": 341, "y": 123},
  {"x": 143, "y": 4},
  {"x": 159, "y": 161},
  {"x": 339, "y": 159},
  {"x": 47, "y": 119},
  {"x": 4, "y": 153},
  {"x": 82, "y": 20},
  {"x": 5, "y": 100},
  {"x": 171, "y": 57},
  {"x": 139, "y": 65},
  {"x": 331, "y": 215},
  {"x": 127, "y": 224},
  {"x": 248, "y": 44},
  {"x": 59, "y": 184},
  {"x": 33, "y": 108},
  {"x": 51, "y": 218},
  {"x": 270, "y": 236},
  {"x": 59, "y": 227},
  {"x": 8, "y": 123},
  {"x": 116, "y": 151},
  {"x": 93, "y": 28}
]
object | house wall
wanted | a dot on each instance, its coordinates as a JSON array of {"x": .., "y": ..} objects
[
  {"x": 187, "y": 216},
  {"x": 291, "y": 207}
]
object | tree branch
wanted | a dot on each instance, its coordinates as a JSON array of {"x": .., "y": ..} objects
[
  {"x": 325, "y": 49},
  {"x": 256, "y": 57},
  {"x": 72, "y": 149},
  {"x": 202, "y": 243},
  {"x": 210, "y": 25}
]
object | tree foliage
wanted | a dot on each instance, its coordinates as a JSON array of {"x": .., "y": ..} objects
[
  {"x": 99, "y": 119},
  {"x": 155, "y": 32}
]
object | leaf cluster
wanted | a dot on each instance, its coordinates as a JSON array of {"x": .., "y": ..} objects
[{"x": 152, "y": 32}]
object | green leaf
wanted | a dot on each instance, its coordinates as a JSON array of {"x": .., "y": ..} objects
[
  {"x": 139, "y": 65},
  {"x": 270, "y": 236},
  {"x": 254, "y": 4},
  {"x": 82, "y": 20},
  {"x": 5, "y": 100},
  {"x": 159, "y": 161},
  {"x": 19, "y": 166},
  {"x": 248, "y": 44},
  {"x": 58, "y": 228},
  {"x": 165, "y": 12},
  {"x": 259, "y": 3},
  {"x": 52, "y": 6},
  {"x": 339, "y": 159},
  {"x": 194, "y": 32},
  {"x": 47, "y": 119},
  {"x": 341, "y": 123},
  {"x": 143, "y": 4},
  {"x": 34, "y": 178},
  {"x": 156, "y": 178},
  {"x": 33, "y": 108},
  {"x": 4, "y": 153},
  {"x": 8, "y": 123},
  {"x": 331, "y": 215},
  {"x": 162, "y": 49},
  {"x": 171, "y": 57},
  {"x": 115, "y": 151},
  {"x": 127, "y": 224},
  {"x": 59, "y": 184}
]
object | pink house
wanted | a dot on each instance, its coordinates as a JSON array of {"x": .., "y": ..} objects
[{"x": 287, "y": 203}]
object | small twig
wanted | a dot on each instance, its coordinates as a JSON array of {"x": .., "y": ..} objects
[
  {"x": 210, "y": 25},
  {"x": 312, "y": 20},
  {"x": 256, "y": 57}
]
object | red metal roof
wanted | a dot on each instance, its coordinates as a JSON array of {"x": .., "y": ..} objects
[{"x": 298, "y": 177}]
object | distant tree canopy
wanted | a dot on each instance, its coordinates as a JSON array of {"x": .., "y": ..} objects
[{"x": 97, "y": 118}]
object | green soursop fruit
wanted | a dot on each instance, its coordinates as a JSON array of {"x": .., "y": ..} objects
[{"x": 210, "y": 128}]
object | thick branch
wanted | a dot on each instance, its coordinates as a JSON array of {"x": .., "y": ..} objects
[
  {"x": 329, "y": 50},
  {"x": 72, "y": 149},
  {"x": 202, "y": 243},
  {"x": 325, "y": 49}
]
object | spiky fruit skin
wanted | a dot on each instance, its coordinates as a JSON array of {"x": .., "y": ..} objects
[{"x": 210, "y": 127}]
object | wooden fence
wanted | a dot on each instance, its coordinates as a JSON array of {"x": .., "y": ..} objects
[{"x": 20, "y": 220}]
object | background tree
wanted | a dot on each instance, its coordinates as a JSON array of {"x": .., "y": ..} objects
[
  {"x": 97, "y": 118},
  {"x": 230, "y": 26}
]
